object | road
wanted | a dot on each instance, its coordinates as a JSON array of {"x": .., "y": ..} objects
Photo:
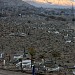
[{"x": 5, "y": 72}]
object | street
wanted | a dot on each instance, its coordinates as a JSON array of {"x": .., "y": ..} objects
[{"x": 5, "y": 72}]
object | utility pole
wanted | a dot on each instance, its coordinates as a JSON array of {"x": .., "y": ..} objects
[{"x": 24, "y": 52}]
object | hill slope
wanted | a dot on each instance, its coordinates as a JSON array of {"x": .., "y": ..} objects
[{"x": 15, "y": 3}]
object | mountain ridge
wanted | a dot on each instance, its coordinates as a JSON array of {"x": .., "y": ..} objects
[
  {"x": 48, "y": 4},
  {"x": 14, "y": 3}
]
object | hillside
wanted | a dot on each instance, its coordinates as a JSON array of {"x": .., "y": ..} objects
[
  {"x": 14, "y": 3},
  {"x": 23, "y": 27}
]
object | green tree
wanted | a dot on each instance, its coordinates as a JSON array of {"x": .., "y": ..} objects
[{"x": 32, "y": 52}]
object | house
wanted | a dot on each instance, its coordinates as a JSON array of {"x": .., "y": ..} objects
[
  {"x": 1, "y": 55},
  {"x": 25, "y": 64},
  {"x": 17, "y": 57}
]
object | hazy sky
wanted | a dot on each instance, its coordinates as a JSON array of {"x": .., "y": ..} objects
[{"x": 56, "y": 2}]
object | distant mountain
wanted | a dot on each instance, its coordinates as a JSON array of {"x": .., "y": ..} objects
[
  {"x": 51, "y": 3},
  {"x": 47, "y": 5},
  {"x": 14, "y": 3},
  {"x": 30, "y": 3}
]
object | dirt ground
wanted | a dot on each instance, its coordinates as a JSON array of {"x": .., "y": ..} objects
[{"x": 5, "y": 72}]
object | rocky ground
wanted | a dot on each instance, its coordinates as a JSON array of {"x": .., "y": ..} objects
[
  {"x": 52, "y": 37},
  {"x": 44, "y": 36}
]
